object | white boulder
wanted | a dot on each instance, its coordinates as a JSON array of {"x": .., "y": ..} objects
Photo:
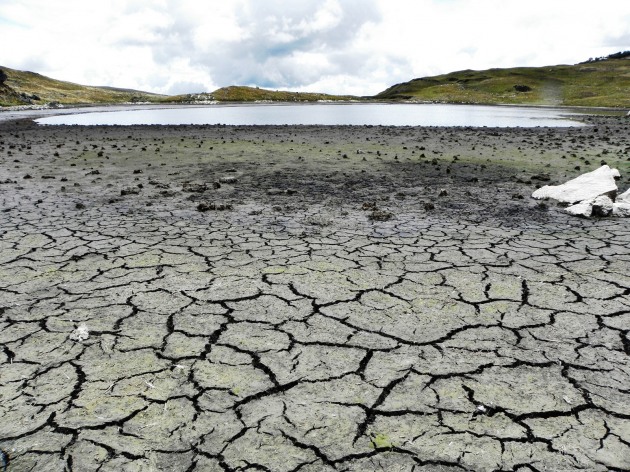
[
  {"x": 81, "y": 333},
  {"x": 624, "y": 197},
  {"x": 621, "y": 209},
  {"x": 602, "y": 206},
  {"x": 587, "y": 186},
  {"x": 591, "y": 194},
  {"x": 584, "y": 209}
]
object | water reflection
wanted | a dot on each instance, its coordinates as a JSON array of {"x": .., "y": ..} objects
[{"x": 327, "y": 114}]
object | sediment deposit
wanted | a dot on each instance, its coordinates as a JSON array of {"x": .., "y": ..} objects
[{"x": 310, "y": 298}]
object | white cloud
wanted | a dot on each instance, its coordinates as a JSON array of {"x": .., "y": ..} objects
[{"x": 336, "y": 46}]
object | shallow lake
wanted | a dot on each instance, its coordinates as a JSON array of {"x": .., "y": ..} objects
[{"x": 325, "y": 114}]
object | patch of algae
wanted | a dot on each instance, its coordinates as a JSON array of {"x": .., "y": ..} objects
[{"x": 381, "y": 441}]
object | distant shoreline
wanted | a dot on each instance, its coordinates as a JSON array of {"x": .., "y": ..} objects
[{"x": 33, "y": 113}]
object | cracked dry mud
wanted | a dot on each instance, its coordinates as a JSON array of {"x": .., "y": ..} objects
[{"x": 476, "y": 330}]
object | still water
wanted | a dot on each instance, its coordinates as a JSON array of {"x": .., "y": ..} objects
[{"x": 325, "y": 114}]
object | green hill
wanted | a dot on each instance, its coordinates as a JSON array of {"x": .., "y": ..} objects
[
  {"x": 601, "y": 82},
  {"x": 251, "y": 94},
  {"x": 29, "y": 88}
]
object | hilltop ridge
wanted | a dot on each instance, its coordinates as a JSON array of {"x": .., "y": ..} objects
[
  {"x": 238, "y": 93},
  {"x": 601, "y": 82},
  {"x": 31, "y": 88}
]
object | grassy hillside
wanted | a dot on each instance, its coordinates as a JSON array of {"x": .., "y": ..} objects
[
  {"x": 24, "y": 88},
  {"x": 599, "y": 83},
  {"x": 250, "y": 94},
  {"x": 603, "y": 82},
  {"x": 29, "y": 88}
]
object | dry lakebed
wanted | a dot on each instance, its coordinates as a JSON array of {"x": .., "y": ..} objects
[{"x": 310, "y": 298}]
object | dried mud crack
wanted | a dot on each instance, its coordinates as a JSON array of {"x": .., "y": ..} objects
[{"x": 349, "y": 299}]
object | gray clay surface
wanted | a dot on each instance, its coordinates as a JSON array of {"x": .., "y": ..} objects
[{"x": 349, "y": 299}]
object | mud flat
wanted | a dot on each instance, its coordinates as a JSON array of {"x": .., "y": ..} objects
[{"x": 310, "y": 298}]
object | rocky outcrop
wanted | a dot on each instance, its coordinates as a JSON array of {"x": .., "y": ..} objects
[{"x": 590, "y": 194}]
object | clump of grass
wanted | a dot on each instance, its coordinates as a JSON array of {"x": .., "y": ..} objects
[{"x": 381, "y": 441}]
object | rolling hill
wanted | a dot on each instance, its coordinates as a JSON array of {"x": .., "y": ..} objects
[
  {"x": 603, "y": 82},
  {"x": 248, "y": 94},
  {"x": 30, "y": 88}
]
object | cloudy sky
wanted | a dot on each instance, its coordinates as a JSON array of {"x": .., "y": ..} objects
[{"x": 336, "y": 46}]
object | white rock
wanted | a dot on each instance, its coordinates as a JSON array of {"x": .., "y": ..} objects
[
  {"x": 602, "y": 206},
  {"x": 81, "y": 333},
  {"x": 624, "y": 197},
  {"x": 621, "y": 209},
  {"x": 584, "y": 209},
  {"x": 590, "y": 185}
]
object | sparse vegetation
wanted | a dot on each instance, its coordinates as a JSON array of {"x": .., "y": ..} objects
[
  {"x": 381, "y": 441},
  {"x": 251, "y": 94},
  {"x": 601, "y": 83},
  {"x": 29, "y": 88},
  {"x": 617, "y": 55}
]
